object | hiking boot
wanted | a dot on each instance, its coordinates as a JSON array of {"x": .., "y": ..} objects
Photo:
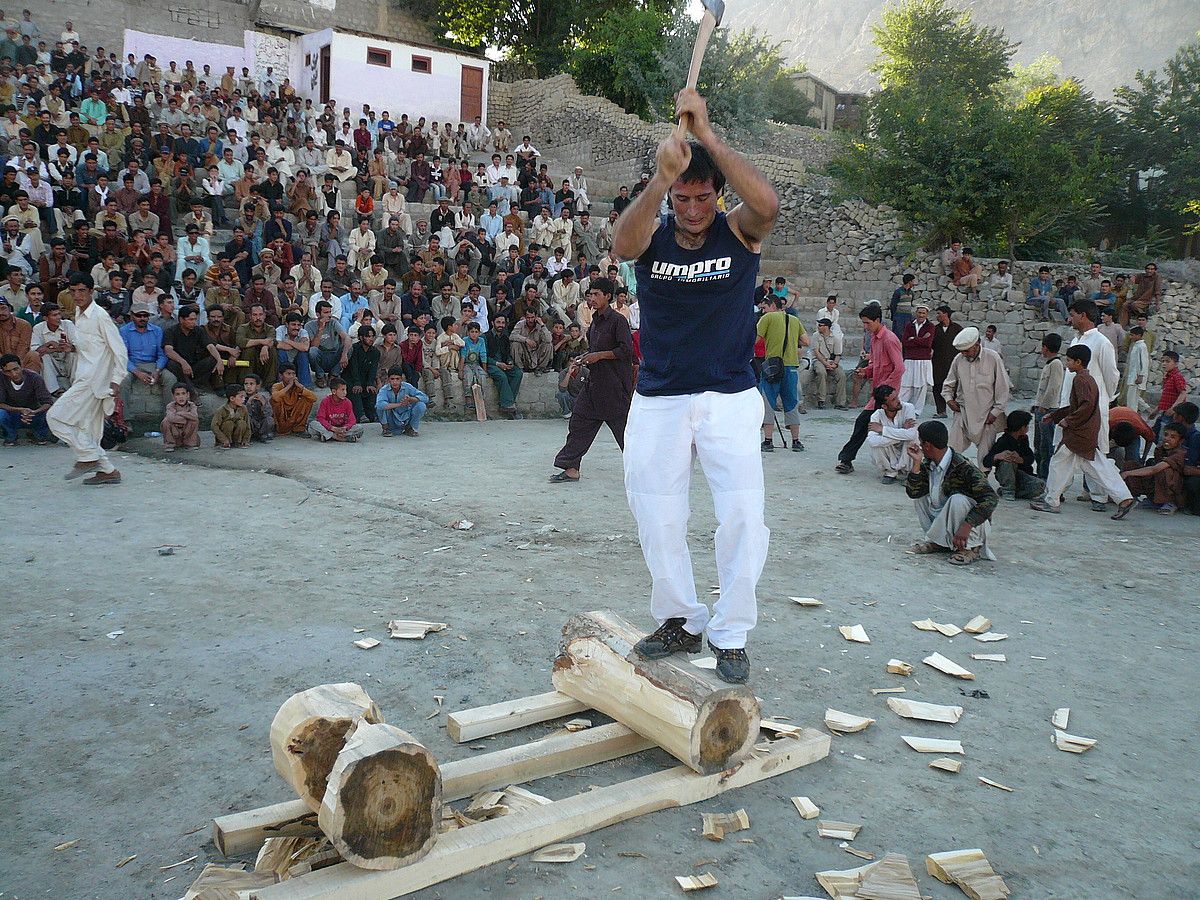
[
  {"x": 733, "y": 666},
  {"x": 113, "y": 477},
  {"x": 768, "y": 446},
  {"x": 844, "y": 467},
  {"x": 797, "y": 446},
  {"x": 409, "y": 431},
  {"x": 670, "y": 637},
  {"x": 802, "y": 409}
]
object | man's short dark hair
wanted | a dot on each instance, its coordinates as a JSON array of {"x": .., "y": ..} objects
[
  {"x": 1177, "y": 428},
  {"x": 1188, "y": 411},
  {"x": 881, "y": 393},
  {"x": 871, "y": 311},
  {"x": 945, "y": 309},
  {"x": 293, "y": 317},
  {"x": 1017, "y": 419},
  {"x": 908, "y": 278},
  {"x": 1123, "y": 433},
  {"x": 232, "y": 390},
  {"x": 1081, "y": 353},
  {"x": 1052, "y": 342},
  {"x": 603, "y": 285},
  {"x": 8, "y": 359},
  {"x": 935, "y": 433},
  {"x": 189, "y": 310},
  {"x": 1171, "y": 354},
  {"x": 702, "y": 168},
  {"x": 1087, "y": 308}
]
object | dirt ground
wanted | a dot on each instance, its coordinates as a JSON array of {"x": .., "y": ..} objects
[{"x": 139, "y": 688}]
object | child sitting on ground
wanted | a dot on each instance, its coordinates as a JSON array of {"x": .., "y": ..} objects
[
  {"x": 1012, "y": 458},
  {"x": 258, "y": 408},
  {"x": 400, "y": 405},
  {"x": 230, "y": 423},
  {"x": 1162, "y": 480},
  {"x": 335, "y": 417},
  {"x": 181, "y": 424}
]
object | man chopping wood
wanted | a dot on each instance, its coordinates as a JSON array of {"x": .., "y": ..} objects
[{"x": 696, "y": 393}]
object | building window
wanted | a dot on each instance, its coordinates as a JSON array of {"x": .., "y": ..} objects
[
  {"x": 378, "y": 57},
  {"x": 422, "y": 64}
]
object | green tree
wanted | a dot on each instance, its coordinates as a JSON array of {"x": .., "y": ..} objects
[{"x": 611, "y": 59}]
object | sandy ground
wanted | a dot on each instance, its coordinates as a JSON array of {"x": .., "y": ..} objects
[{"x": 132, "y": 743}]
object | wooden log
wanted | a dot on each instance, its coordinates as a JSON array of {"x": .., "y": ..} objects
[
  {"x": 246, "y": 831},
  {"x": 701, "y": 721},
  {"x": 484, "y": 721},
  {"x": 383, "y": 804},
  {"x": 309, "y": 731},
  {"x": 504, "y": 837}
]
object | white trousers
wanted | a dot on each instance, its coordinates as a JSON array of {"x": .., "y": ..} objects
[
  {"x": 1103, "y": 479},
  {"x": 914, "y": 394},
  {"x": 941, "y": 522},
  {"x": 891, "y": 456},
  {"x": 82, "y": 436},
  {"x": 663, "y": 437}
]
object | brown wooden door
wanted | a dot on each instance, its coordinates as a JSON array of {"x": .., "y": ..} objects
[
  {"x": 325, "y": 74},
  {"x": 471, "y": 104}
]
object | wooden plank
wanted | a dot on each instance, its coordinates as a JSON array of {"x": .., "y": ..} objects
[
  {"x": 484, "y": 721},
  {"x": 246, "y": 831},
  {"x": 468, "y": 849}
]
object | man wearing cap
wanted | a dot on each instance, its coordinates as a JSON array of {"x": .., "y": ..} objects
[
  {"x": 77, "y": 418},
  {"x": 146, "y": 360},
  {"x": 916, "y": 342},
  {"x": 977, "y": 390}
]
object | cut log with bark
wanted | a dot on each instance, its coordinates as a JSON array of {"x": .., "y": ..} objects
[
  {"x": 309, "y": 731},
  {"x": 701, "y": 721},
  {"x": 383, "y": 804}
]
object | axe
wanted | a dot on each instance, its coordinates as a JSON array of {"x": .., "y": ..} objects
[{"x": 713, "y": 11}]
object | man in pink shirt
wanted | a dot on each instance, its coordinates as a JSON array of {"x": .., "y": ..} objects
[
  {"x": 885, "y": 366},
  {"x": 335, "y": 417}
]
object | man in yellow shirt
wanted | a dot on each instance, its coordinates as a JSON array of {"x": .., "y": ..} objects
[{"x": 783, "y": 335}]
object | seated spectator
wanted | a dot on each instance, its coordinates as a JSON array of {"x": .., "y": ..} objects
[
  {"x": 181, "y": 423},
  {"x": 335, "y": 417},
  {"x": 291, "y": 402},
  {"x": 1042, "y": 294},
  {"x": 1012, "y": 459},
  {"x": 258, "y": 408},
  {"x": 54, "y": 342},
  {"x": 1161, "y": 482},
  {"x": 1128, "y": 435},
  {"x": 532, "y": 350},
  {"x": 192, "y": 356},
  {"x": 292, "y": 345},
  {"x": 399, "y": 406},
  {"x": 256, "y": 345},
  {"x": 148, "y": 362},
  {"x": 24, "y": 402},
  {"x": 967, "y": 273},
  {"x": 1105, "y": 298},
  {"x": 953, "y": 499},
  {"x": 231, "y": 423},
  {"x": 891, "y": 430},
  {"x": 329, "y": 344}
]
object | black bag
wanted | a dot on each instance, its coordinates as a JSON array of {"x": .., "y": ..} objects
[
  {"x": 773, "y": 367},
  {"x": 116, "y": 431}
]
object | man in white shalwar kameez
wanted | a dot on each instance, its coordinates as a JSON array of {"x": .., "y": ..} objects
[
  {"x": 1083, "y": 315},
  {"x": 1137, "y": 368},
  {"x": 977, "y": 388},
  {"x": 892, "y": 427},
  {"x": 77, "y": 417}
]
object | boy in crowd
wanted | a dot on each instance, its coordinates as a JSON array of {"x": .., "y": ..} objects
[
  {"x": 362, "y": 374},
  {"x": 1046, "y": 400},
  {"x": 335, "y": 417},
  {"x": 181, "y": 423},
  {"x": 231, "y": 423},
  {"x": 258, "y": 408},
  {"x": 1012, "y": 459},
  {"x": 399, "y": 406},
  {"x": 291, "y": 402},
  {"x": 474, "y": 361},
  {"x": 449, "y": 360},
  {"x": 1162, "y": 480}
]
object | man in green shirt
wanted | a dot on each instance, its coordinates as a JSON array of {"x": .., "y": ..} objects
[{"x": 783, "y": 335}]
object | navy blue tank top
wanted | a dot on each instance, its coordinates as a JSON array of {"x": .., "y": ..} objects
[{"x": 697, "y": 313}]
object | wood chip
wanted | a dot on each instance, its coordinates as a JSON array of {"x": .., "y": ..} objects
[
  {"x": 947, "y": 765},
  {"x": 127, "y": 859},
  {"x": 990, "y": 636},
  {"x": 1060, "y": 717},
  {"x": 517, "y": 798},
  {"x": 844, "y": 884},
  {"x": 226, "y": 882},
  {"x": 944, "y": 628},
  {"x": 970, "y": 871},
  {"x": 890, "y": 879},
  {"x": 806, "y": 808},
  {"x": 717, "y": 825},
  {"x": 559, "y": 853},
  {"x": 990, "y": 657},
  {"x": 927, "y": 712},
  {"x": 861, "y": 854},
  {"x": 842, "y": 831},
  {"x": 707, "y": 662},
  {"x": 67, "y": 845},
  {"x": 632, "y": 854},
  {"x": 780, "y": 728},
  {"x": 413, "y": 629},
  {"x": 994, "y": 784},
  {"x": 182, "y": 862},
  {"x": 696, "y": 882},
  {"x": 578, "y": 724},
  {"x": 367, "y": 643},
  {"x": 854, "y": 633},
  {"x": 845, "y": 723},
  {"x": 1072, "y": 743},
  {"x": 977, "y": 625},
  {"x": 942, "y": 664},
  {"x": 933, "y": 745},
  {"x": 875, "y": 692},
  {"x": 899, "y": 667},
  {"x": 359, "y": 630},
  {"x": 806, "y": 601}
]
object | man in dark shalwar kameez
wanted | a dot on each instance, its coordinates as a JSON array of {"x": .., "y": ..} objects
[{"x": 608, "y": 388}]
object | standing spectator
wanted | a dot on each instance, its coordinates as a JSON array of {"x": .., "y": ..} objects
[
  {"x": 1137, "y": 369},
  {"x": 362, "y": 374},
  {"x": 885, "y": 366},
  {"x": 502, "y": 368},
  {"x": 916, "y": 343},
  {"x": 977, "y": 388},
  {"x": 943, "y": 355},
  {"x": 1046, "y": 400}
]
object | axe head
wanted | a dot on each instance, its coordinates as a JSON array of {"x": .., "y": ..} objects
[{"x": 716, "y": 7}]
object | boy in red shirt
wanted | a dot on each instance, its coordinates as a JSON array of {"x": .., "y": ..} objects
[
  {"x": 1174, "y": 390},
  {"x": 335, "y": 417}
]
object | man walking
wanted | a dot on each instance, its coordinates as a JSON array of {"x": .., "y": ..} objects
[
  {"x": 885, "y": 366},
  {"x": 77, "y": 417},
  {"x": 696, "y": 394},
  {"x": 977, "y": 389},
  {"x": 608, "y": 388}
]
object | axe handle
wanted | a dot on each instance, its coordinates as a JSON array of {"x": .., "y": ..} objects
[{"x": 707, "y": 24}]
